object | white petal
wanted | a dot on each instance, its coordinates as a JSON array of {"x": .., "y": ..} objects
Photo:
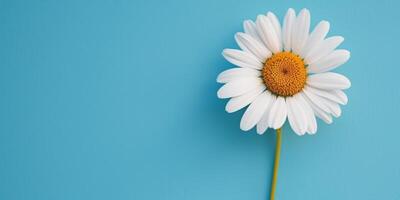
[
  {"x": 250, "y": 28},
  {"x": 300, "y": 31},
  {"x": 341, "y": 95},
  {"x": 316, "y": 37},
  {"x": 296, "y": 116},
  {"x": 288, "y": 23},
  {"x": 325, "y": 48},
  {"x": 262, "y": 125},
  {"x": 235, "y": 73},
  {"x": 267, "y": 33},
  {"x": 332, "y": 95},
  {"x": 242, "y": 58},
  {"x": 328, "y": 81},
  {"x": 311, "y": 121},
  {"x": 318, "y": 112},
  {"x": 277, "y": 26},
  {"x": 317, "y": 101},
  {"x": 239, "y": 102},
  {"x": 330, "y": 62},
  {"x": 255, "y": 111},
  {"x": 333, "y": 107},
  {"x": 251, "y": 45},
  {"x": 238, "y": 87},
  {"x": 324, "y": 104},
  {"x": 278, "y": 113}
]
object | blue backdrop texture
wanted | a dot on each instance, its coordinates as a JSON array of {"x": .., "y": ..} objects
[{"x": 116, "y": 99}]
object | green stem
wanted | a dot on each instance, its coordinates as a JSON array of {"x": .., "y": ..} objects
[{"x": 276, "y": 162}]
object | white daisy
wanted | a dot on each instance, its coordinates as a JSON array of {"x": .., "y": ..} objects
[{"x": 283, "y": 72}]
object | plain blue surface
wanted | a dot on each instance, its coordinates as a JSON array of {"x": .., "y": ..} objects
[{"x": 117, "y": 100}]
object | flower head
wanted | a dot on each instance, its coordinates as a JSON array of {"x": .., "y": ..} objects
[{"x": 283, "y": 73}]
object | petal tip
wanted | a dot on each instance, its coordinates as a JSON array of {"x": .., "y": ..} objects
[
  {"x": 244, "y": 127},
  {"x": 291, "y": 10},
  {"x": 260, "y": 132},
  {"x": 229, "y": 108},
  {"x": 220, "y": 93}
]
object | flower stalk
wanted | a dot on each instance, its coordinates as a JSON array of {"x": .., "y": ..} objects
[{"x": 276, "y": 162}]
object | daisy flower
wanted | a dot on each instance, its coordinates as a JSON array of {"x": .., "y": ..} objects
[{"x": 283, "y": 72}]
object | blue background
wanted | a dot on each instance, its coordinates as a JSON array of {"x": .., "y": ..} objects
[{"x": 117, "y": 100}]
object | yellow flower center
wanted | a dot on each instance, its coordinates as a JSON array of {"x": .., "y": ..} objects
[{"x": 284, "y": 74}]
